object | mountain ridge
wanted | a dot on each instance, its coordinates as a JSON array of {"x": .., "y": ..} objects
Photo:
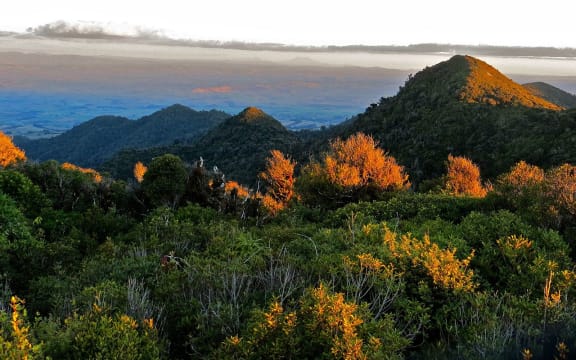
[
  {"x": 238, "y": 146},
  {"x": 433, "y": 116},
  {"x": 90, "y": 143},
  {"x": 552, "y": 94}
]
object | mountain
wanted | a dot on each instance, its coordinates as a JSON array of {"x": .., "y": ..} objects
[
  {"x": 239, "y": 147},
  {"x": 464, "y": 106},
  {"x": 94, "y": 141},
  {"x": 552, "y": 94}
]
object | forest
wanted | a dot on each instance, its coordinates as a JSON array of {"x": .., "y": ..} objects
[{"x": 341, "y": 257}]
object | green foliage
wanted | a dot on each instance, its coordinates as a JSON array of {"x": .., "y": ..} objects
[
  {"x": 165, "y": 181},
  {"x": 426, "y": 121},
  {"x": 28, "y": 195},
  {"x": 239, "y": 147},
  {"x": 99, "y": 335}
]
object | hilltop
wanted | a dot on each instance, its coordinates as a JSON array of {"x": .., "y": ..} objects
[
  {"x": 238, "y": 146},
  {"x": 466, "y": 107},
  {"x": 94, "y": 141}
]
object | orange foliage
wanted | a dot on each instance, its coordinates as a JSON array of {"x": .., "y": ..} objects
[
  {"x": 241, "y": 191},
  {"x": 463, "y": 178},
  {"x": 335, "y": 317},
  {"x": 442, "y": 265},
  {"x": 487, "y": 85},
  {"x": 560, "y": 185},
  {"x": 95, "y": 174},
  {"x": 523, "y": 175},
  {"x": 358, "y": 162},
  {"x": 279, "y": 175},
  {"x": 9, "y": 153},
  {"x": 139, "y": 171}
]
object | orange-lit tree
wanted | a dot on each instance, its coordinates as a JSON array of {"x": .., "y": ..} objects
[
  {"x": 93, "y": 173},
  {"x": 522, "y": 186},
  {"x": 139, "y": 171},
  {"x": 279, "y": 175},
  {"x": 560, "y": 189},
  {"x": 352, "y": 170},
  {"x": 463, "y": 178},
  {"x": 9, "y": 153}
]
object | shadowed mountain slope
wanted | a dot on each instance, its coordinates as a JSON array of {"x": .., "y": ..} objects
[
  {"x": 239, "y": 147},
  {"x": 94, "y": 141},
  {"x": 552, "y": 94}
]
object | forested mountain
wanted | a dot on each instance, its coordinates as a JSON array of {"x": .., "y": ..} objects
[
  {"x": 237, "y": 146},
  {"x": 341, "y": 260},
  {"x": 552, "y": 94},
  {"x": 464, "y": 106},
  {"x": 91, "y": 142}
]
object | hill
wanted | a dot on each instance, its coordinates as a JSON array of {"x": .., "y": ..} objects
[
  {"x": 466, "y": 107},
  {"x": 239, "y": 147},
  {"x": 94, "y": 141},
  {"x": 552, "y": 94}
]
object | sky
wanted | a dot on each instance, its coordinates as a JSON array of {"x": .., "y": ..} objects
[{"x": 318, "y": 22}]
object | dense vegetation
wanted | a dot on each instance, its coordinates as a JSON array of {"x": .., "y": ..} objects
[
  {"x": 239, "y": 146},
  {"x": 180, "y": 264},
  {"x": 453, "y": 107},
  {"x": 338, "y": 256}
]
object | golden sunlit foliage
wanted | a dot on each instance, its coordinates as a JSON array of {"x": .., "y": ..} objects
[
  {"x": 485, "y": 84},
  {"x": 139, "y": 171},
  {"x": 351, "y": 170},
  {"x": 442, "y": 265},
  {"x": 16, "y": 344},
  {"x": 322, "y": 315},
  {"x": 279, "y": 175},
  {"x": 358, "y": 162},
  {"x": 523, "y": 175},
  {"x": 95, "y": 174},
  {"x": 9, "y": 153},
  {"x": 241, "y": 191},
  {"x": 560, "y": 184},
  {"x": 463, "y": 178}
]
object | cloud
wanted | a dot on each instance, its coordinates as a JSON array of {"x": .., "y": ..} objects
[
  {"x": 95, "y": 30},
  {"x": 213, "y": 90}
]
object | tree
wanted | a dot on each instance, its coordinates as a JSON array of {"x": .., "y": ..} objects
[
  {"x": 351, "y": 170},
  {"x": 560, "y": 189},
  {"x": 279, "y": 175},
  {"x": 139, "y": 171},
  {"x": 165, "y": 181},
  {"x": 93, "y": 173},
  {"x": 9, "y": 153},
  {"x": 463, "y": 178}
]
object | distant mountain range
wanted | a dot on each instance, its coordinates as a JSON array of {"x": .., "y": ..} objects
[{"x": 462, "y": 106}]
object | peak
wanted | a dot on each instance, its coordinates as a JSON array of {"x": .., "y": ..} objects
[
  {"x": 470, "y": 80},
  {"x": 485, "y": 84},
  {"x": 254, "y": 116},
  {"x": 251, "y": 113},
  {"x": 176, "y": 107}
]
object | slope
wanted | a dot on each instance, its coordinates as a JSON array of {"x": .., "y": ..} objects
[
  {"x": 466, "y": 107},
  {"x": 91, "y": 142},
  {"x": 552, "y": 94},
  {"x": 238, "y": 146}
]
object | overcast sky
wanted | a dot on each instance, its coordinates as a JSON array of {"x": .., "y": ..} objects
[{"x": 319, "y": 22}]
